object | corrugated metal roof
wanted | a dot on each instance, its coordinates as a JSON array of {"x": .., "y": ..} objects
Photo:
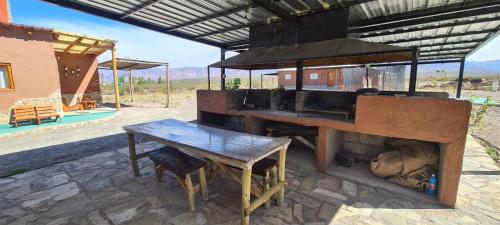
[
  {"x": 130, "y": 64},
  {"x": 431, "y": 25}
]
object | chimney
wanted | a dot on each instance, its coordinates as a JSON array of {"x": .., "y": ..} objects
[{"x": 4, "y": 11}]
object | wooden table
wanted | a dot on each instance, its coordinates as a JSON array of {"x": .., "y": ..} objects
[{"x": 231, "y": 148}]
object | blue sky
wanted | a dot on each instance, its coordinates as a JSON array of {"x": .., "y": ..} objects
[{"x": 135, "y": 42}]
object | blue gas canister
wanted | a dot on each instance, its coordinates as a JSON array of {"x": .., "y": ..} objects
[{"x": 432, "y": 187}]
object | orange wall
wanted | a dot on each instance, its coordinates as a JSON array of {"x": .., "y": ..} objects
[
  {"x": 74, "y": 82},
  {"x": 34, "y": 66},
  {"x": 4, "y": 11}
]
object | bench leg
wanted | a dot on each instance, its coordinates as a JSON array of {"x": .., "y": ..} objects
[
  {"x": 133, "y": 154},
  {"x": 189, "y": 192},
  {"x": 158, "y": 172},
  {"x": 266, "y": 186},
  {"x": 203, "y": 183},
  {"x": 281, "y": 174}
]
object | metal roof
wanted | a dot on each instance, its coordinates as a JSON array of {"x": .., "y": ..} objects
[
  {"x": 340, "y": 51},
  {"x": 442, "y": 29},
  {"x": 130, "y": 64}
]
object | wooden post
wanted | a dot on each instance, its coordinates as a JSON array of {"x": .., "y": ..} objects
[
  {"x": 115, "y": 79},
  {"x": 130, "y": 85},
  {"x": 168, "y": 86},
  {"x": 246, "y": 180},
  {"x": 460, "y": 77}
]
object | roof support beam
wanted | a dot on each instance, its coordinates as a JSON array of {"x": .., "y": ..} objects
[
  {"x": 271, "y": 7},
  {"x": 212, "y": 16},
  {"x": 140, "y": 8},
  {"x": 221, "y": 31},
  {"x": 441, "y": 36},
  {"x": 447, "y": 49},
  {"x": 115, "y": 16},
  {"x": 443, "y": 13},
  {"x": 428, "y": 27},
  {"x": 460, "y": 77}
]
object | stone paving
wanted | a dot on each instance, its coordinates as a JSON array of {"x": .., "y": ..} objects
[{"x": 101, "y": 190}]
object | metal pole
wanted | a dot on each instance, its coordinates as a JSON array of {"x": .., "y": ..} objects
[
  {"x": 115, "y": 79},
  {"x": 261, "y": 86},
  {"x": 222, "y": 70},
  {"x": 208, "y": 76},
  {"x": 460, "y": 77},
  {"x": 167, "y": 75},
  {"x": 130, "y": 85},
  {"x": 250, "y": 78},
  {"x": 413, "y": 74},
  {"x": 299, "y": 78}
]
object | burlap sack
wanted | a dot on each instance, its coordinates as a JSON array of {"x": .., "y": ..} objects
[
  {"x": 387, "y": 164},
  {"x": 415, "y": 154},
  {"x": 414, "y": 179}
]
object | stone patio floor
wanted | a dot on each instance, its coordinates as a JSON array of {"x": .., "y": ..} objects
[{"x": 101, "y": 190}]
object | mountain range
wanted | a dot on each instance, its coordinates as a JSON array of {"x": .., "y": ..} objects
[{"x": 472, "y": 69}]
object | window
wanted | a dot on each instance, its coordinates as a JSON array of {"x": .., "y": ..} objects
[
  {"x": 313, "y": 76},
  {"x": 6, "y": 81},
  {"x": 288, "y": 76}
]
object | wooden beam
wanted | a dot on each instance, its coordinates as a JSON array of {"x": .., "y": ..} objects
[
  {"x": 130, "y": 85},
  {"x": 460, "y": 77},
  {"x": 115, "y": 79},
  {"x": 413, "y": 74}
]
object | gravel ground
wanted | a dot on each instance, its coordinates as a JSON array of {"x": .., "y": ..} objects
[{"x": 37, "y": 150}]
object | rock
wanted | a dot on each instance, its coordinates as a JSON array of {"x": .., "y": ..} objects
[
  {"x": 265, "y": 220},
  {"x": 364, "y": 209},
  {"x": 95, "y": 218},
  {"x": 327, "y": 212},
  {"x": 60, "y": 221},
  {"x": 298, "y": 212},
  {"x": 128, "y": 210},
  {"x": 20, "y": 192},
  {"x": 14, "y": 212},
  {"x": 45, "y": 183},
  {"x": 50, "y": 196},
  {"x": 189, "y": 218},
  {"x": 349, "y": 188},
  {"x": 330, "y": 183},
  {"x": 285, "y": 214},
  {"x": 303, "y": 199},
  {"x": 330, "y": 194},
  {"x": 29, "y": 219},
  {"x": 315, "y": 223},
  {"x": 6, "y": 180}
]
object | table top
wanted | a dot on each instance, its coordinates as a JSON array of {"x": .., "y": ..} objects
[{"x": 232, "y": 145}]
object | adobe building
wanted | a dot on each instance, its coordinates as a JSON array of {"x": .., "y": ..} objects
[{"x": 40, "y": 66}]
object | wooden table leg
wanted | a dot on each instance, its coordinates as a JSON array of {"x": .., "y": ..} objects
[
  {"x": 132, "y": 154},
  {"x": 246, "y": 180},
  {"x": 281, "y": 174}
]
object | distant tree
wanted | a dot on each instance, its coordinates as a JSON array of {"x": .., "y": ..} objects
[{"x": 159, "y": 80}]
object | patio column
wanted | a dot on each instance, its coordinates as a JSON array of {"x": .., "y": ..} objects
[
  {"x": 413, "y": 74},
  {"x": 299, "y": 76},
  {"x": 208, "y": 76},
  {"x": 250, "y": 78},
  {"x": 222, "y": 70},
  {"x": 130, "y": 85},
  {"x": 115, "y": 79},
  {"x": 460, "y": 77},
  {"x": 167, "y": 75}
]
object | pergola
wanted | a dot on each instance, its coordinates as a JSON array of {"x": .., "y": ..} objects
[
  {"x": 134, "y": 64},
  {"x": 443, "y": 31}
]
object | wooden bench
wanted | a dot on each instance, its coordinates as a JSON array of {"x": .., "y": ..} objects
[
  {"x": 46, "y": 112},
  {"x": 23, "y": 113},
  {"x": 181, "y": 165}
]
